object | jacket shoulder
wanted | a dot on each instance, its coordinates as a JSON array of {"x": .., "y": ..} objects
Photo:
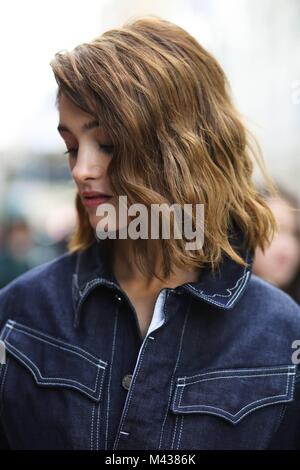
[
  {"x": 271, "y": 304},
  {"x": 36, "y": 284}
]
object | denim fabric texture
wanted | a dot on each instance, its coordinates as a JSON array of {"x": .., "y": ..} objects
[{"x": 214, "y": 371}]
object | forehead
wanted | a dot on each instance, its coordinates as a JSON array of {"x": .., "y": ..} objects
[
  {"x": 66, "y": 107},
  {"x": 73, "y": 120}
]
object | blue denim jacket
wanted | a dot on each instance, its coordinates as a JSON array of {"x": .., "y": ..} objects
[{"x": 215, "y": 370}]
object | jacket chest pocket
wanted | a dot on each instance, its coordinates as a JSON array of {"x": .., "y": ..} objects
[
  {"x": 50, "y": 386},
  {"x": 230, "y": 408}
]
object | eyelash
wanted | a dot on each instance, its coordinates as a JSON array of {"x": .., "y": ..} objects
[{"x": 73, "y": 152}]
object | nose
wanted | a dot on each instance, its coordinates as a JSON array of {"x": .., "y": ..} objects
[{"x": 88, "y": 167}]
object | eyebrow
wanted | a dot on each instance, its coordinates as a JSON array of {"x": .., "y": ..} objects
[{"x": 85, "y": 127}]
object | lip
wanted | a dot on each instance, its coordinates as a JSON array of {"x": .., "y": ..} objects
[{"x": 94, "y": 198}]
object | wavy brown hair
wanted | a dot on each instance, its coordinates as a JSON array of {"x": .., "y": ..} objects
[{"x": 178, "y": 138}]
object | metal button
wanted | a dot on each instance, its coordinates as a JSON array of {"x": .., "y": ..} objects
[{"x": 126, "y": 381}]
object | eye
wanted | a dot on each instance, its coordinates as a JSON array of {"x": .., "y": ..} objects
[
  {"x": 107, "y": 148},
  {"x": 71, "y": 152}
]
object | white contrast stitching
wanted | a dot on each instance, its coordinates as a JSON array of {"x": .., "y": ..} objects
[
  {"x": 67, "y": 347},
  {"x": 109, "y": 379},
  {"x": 235, "y": 377},
  {"x": 97, "y": 430},
  {"x": 172, "y": 378},
  {"x": 65, "y": 380},
  {"x": 254, "y": 369},
  {"x": 174, "y": 433},
  {"x": 266, "y": 400},
  {"x": 92, "y": 426},
  {"x": 5, "y": 371},
  {"x": 243, "y": 278},
  {"x": 131, "y": 389},
  {"x": 180, "y": 432}
]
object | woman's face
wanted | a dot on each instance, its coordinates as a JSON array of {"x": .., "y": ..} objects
[
  {"x": 90, "y": 152},
  {"x": 281, "y": 260}
]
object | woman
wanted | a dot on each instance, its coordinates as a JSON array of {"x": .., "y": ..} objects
[{"x": 138, "y": 342}]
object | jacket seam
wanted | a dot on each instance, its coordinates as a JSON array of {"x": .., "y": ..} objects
[
  {"x": 224, "y": 413},
  {"x": 67, "y": 347},
  {"x": 65, "y": 381}
]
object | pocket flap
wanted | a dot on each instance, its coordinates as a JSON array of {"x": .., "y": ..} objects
[
  {"x": 54, "y": 362},
  {"x": 233, "y": 393}
]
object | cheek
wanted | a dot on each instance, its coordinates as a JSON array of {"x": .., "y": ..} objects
[
  {"x": 93, "y": 219},
  {"x": 71, "y": 164}
]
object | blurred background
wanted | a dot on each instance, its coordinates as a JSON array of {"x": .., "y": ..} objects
[{"x": 256, "y": 41}]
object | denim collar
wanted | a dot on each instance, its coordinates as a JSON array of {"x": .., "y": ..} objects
[{"x": 223, "y": 288}]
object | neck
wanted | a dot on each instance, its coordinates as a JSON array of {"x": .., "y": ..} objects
[{"x": 128, "y": 274}]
